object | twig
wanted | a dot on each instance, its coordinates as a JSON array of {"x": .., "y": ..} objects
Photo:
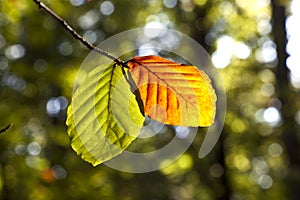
[
  {"x": 6, "y": 128},
  {"x": 76, "y": 35}
]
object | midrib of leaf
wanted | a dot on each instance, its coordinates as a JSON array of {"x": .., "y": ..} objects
[
  {"x": 109, "y": 105},
  {"x": 107, "y": 108}
]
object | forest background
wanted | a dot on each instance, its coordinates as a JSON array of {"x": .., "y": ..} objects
[{"x": 254, "y": 46}]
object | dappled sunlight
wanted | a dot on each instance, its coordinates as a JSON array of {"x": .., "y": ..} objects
[{"x": 227, "y": 47}]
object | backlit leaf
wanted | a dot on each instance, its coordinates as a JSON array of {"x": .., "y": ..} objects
[
  {"x": 104, "y": 117},
  {"x": 173, "y": 93}
]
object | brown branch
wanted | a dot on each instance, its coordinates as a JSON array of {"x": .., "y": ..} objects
[
  {"x": 6, "y": 128},
  {"x": 76, "y": 35}
]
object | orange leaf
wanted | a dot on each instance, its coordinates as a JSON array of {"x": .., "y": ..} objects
[{"x": 173, "y": 93}]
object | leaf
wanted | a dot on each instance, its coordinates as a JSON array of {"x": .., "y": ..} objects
[
  {"x": 104, "y": 117},
  {"x": 173, "y": 93}
]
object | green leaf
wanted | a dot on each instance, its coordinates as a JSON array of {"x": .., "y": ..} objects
[{"x": 104, "y": 117}]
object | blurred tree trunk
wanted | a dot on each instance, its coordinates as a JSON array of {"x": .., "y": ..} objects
[
  {"x": 221, "y": 156},
  {"x": 199, "y": 35},
  {"x": 285, "y": 95}
]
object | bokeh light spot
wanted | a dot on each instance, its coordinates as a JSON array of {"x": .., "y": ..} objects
[
  {"x": 77, "y": 2},
  {"x": 182, "y": 132},
  {"x": 222, "y": 56},
  {"x": 107, "y": 8},
  {"x": 88, "y": 20},
  {"x": 153, "y": 29},
  {"x": 272, "y": 116},
  {"x": 90, "y": 36},
  {"x": 226, "y": 8},
  {"x": 267, "y": 89},
  {"x": 241, "y": 162},
  {"x": 170, "y": 3},
  {"x": 40, "y": 65},
  {"x": 59, "y": 172},
  {"x": 266, "y": 76},
  {"x": 265, "y": 181},
  {"x": 14, "y": 82},
  {"x": 200, "y": 2},
  {"x": 241, "y": 50},
  {"x": 20, "y": 149},
  {"x": 219, "y": 60},
  {"x": 238, "y": 126},
  {"x": 147, "y": 49},
  {"x": 53, "y": 106},
  {"x": 260, "y": 166},
  {"x": 275, "y": 150},
  {"x": 259, "y": 115},
  {"x": 151, "y": 128},
  {"x": 216, "y": 170},
  {"x": 65, "y": 48},
  {"x": 34, "y": 149},
  {"x": 15, "y": 51}
]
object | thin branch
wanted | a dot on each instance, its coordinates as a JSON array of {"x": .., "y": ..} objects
[
  {"x": 6, "y": 128},
  {"x": 76, "y": 35}
]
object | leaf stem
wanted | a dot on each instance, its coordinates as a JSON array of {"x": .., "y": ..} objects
[
  {"x": 76, "y": 35},
  {"x": 6, "y": 128}
]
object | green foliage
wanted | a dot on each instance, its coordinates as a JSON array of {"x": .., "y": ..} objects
[{"x": 101, "y": 122}]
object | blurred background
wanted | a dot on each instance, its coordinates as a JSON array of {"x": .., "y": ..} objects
[{"x": 254, "y": 44}]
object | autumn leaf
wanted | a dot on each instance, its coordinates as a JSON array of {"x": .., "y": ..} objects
[{"x": 173, "y": 93}]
